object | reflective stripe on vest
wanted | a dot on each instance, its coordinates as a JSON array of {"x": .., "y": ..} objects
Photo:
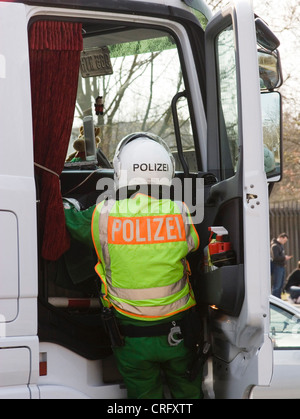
[
  {"x": 146, "y": 230},
  {"x": 147, "y": 293},
  {"x": 151, "y": 311}
]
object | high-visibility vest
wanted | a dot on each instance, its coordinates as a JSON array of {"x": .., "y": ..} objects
[{"x": 141, "y": 243}]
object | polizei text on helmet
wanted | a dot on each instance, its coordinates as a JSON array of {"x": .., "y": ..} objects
[{"x": 151, "y": 167}]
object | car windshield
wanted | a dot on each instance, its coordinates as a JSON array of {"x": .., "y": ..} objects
[{"x": 284, "y": 328}]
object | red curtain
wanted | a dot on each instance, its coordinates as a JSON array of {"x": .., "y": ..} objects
[{"x": 54, "y": 66}]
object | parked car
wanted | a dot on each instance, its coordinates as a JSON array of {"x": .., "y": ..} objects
[{"x": 285, "y": 333}]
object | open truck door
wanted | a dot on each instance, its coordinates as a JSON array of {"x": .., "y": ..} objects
[{"x": 239, "y": 293}]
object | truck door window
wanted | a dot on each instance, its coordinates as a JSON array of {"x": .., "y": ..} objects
[
  {"x": 137, "y": 93},
  {"x": 228, "y": 102}
]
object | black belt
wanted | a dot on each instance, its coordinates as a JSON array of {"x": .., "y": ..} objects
[{"x": 148, "y": 331}]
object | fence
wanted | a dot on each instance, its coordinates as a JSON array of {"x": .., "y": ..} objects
[{"x": 285, "y": 217}]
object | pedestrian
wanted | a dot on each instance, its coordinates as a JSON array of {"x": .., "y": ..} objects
[
  {"x": 278, "y": 263},
  {"x": 142, "y": 240},
  {"x": 293, "y": 285}
]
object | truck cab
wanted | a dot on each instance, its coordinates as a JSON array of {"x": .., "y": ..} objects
[{"x": 75, "y": 78}]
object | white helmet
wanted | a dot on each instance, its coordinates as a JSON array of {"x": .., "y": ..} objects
[{"x": 142, "y": 159}]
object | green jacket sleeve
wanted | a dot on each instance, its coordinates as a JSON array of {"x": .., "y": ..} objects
[{"x": 79, "y": 224}]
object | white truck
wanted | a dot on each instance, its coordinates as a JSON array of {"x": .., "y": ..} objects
[{"x": 206, "y": 84}]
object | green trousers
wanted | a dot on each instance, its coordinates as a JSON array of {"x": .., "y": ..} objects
[{"x": 145, "y": 363}]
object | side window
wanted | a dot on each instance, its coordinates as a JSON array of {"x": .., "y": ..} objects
[
  {"x": 269, "y": 70},
  {"x": 284, "y": 329},
  {"x": 228, "y": 111},
  {"x": 128, "y": 79}
]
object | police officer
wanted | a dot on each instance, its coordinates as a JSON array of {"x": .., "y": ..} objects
[
  {"x": 142, "y": 242},
  {"x": 279, "y": 260}
]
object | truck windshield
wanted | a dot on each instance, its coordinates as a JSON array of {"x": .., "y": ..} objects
[{"x": 135, "y": 75}]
